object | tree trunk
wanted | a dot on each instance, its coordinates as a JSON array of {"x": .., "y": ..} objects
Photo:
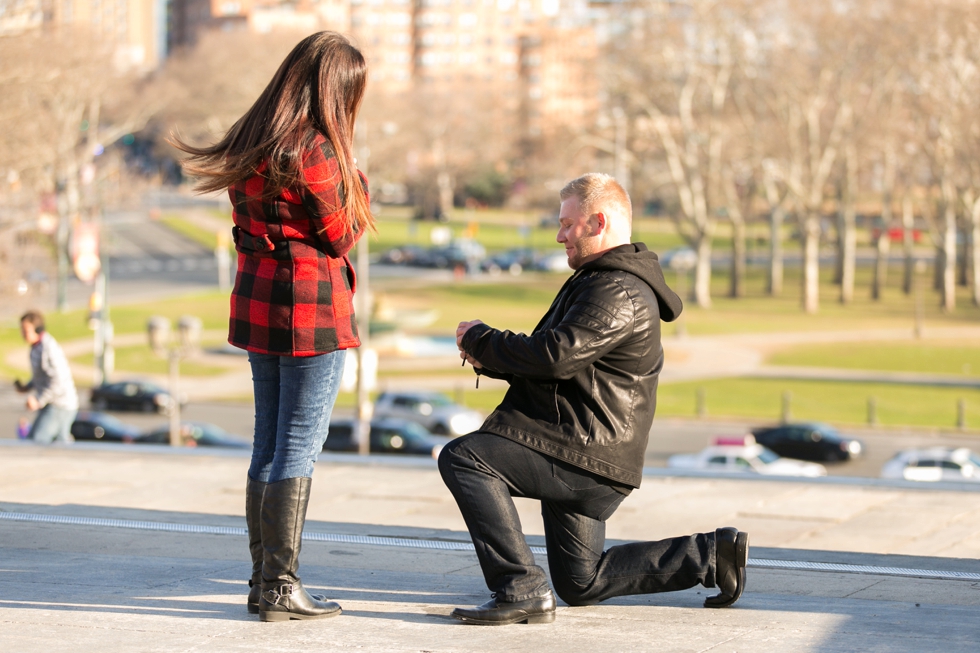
[
  {"x": 963, "y": 261},
  {"x": 884, "y": 241},
  {"x": 811, "y": 263},
  {"x": 849, "y": 235},
  {"x": 849, "y": 238},
  {"x": 841, "y": 229},
  {"x": 702, "y": 272},
  {"x": 882, "y": 249},
  {"x": 949, "y": 250},
  {"x": 908, "y": 244},
  {"x": 776, "y": 252},
  {"x": 737, "y": 287},
  {"x": 975, "y": 249}
]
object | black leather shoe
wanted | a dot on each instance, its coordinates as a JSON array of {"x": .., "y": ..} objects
[
  {"x": 731, "y": 556},
  {"x": 496, "y": 612},
  {"x": 291, "y": 602}
]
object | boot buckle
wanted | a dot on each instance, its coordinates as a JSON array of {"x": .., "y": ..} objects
[{"x": 274, "y": 596}]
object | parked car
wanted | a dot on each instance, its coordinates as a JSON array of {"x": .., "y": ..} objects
[
  {"x": 934, "y": 464},
  {"x": 513, "y": 261},
  {"x": 404, "y": 255},
  {"x": 197, "y": 434},
  {"x": 461, "y": 252},
  {"x": 95, "y": 426},
  {"x": 679, "y": 258},
  {"x": 433, "y": 410},
  {"x": 552, "y": 262},
  {"x": 808, "y": 441},
  {"x": 132, "y": 395},
  {"x": 388, "y": 435},
  {"x": 746, "y": 456}
]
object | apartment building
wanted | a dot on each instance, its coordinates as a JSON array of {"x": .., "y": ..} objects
[{"x": 138, "y": 28}]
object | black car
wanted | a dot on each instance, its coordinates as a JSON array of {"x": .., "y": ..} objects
[
  {"x": 132, "y": 395},
  {"x": 808, "y": 441},
  {"x": 93, "y": 426},
  {"x": 387, "y": 436},
  {"x": 197, "y": 434}
]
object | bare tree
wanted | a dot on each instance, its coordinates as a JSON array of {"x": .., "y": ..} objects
[
  {"x": 69, "y": 102},
  {"x": 680, "y": 93}
]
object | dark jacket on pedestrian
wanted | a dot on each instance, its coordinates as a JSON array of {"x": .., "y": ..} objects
[
  {"x": 294, "y": 289},
  {"x": 583, "y": 385}
]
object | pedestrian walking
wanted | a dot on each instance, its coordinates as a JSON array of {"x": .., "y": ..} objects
[
  {"x": 299, "y": 205},
  {"x": 51, "y": 391},
  {"x": 572, "y": 431}
]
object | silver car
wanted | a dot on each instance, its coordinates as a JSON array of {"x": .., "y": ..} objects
[
  {"x": 934, "y": 464},
  {"x": 433, "y": 410}
]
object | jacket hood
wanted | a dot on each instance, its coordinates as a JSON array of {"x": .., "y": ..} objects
[{"x": 636, "y": 259}]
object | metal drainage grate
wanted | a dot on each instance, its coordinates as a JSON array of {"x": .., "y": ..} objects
[{"x": 449, "y": 545}]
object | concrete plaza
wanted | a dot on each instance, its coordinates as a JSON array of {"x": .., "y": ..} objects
[{"x": 131, "y": 548}]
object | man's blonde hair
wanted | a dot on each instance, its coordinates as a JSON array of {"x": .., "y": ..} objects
[{"x": 598, "y": 192}]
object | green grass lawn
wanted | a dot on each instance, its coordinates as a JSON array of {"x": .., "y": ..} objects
[
  {"x": 142, "y": 360},
  {"x": 211, "y": 307},
  {"x": 514, "y": 304},
  {"x": 837, "y": 403},
  {"x": 935, "y": 357},
  {"x": 757, "y": 312},
  {"x": 206, "y": 237}
]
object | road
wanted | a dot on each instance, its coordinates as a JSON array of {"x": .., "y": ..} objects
[{"x": 668, "y": 436}]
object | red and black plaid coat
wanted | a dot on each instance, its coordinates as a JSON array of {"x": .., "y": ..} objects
[{"x": 294, "y": 290}]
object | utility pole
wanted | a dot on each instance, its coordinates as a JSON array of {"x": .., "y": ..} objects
[{"x": 365, "y": 409}]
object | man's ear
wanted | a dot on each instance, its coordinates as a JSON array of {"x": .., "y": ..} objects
[{"x": 601, "y": 222}]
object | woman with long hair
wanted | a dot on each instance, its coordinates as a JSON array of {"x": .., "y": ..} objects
[{"x": 299, "y": 205}]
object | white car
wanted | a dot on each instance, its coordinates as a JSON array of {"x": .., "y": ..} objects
[
  {"x": 934, "y": 464},
  {"x": 433, "y": 410},
  {"x": 745, "y": 456}
]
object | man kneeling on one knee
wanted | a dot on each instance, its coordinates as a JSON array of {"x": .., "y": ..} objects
[{"x": 572, "y": 431}]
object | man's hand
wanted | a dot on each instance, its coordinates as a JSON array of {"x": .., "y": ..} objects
[
  {"x": 460, "y": 332},
  {"x": 462, "y": 329},
  {"x": 32, "y": 403},
  {"x": 469, "y": 359}
]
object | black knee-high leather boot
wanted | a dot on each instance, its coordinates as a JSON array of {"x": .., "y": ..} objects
[
  {"x": 253, "y": 521},
  {"x": 283, "y": 516}
]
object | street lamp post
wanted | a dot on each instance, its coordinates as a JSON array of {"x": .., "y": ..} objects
[{"x": 174, "y": 349}]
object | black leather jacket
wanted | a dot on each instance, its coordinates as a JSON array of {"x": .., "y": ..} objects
[{"x": 583, "y": 385}]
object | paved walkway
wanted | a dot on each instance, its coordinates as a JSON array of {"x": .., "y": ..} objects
[{"x": 138, "y": 550}]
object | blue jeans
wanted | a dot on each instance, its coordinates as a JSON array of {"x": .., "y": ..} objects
[
  {"x": 483, "y": 471},
  {"x": 294, "y": 397},
  {"x": 53, "y": 424}
]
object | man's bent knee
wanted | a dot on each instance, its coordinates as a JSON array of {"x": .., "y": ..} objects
[
  {"x": 445, "y": 459},
  {"x": 574, "y": 594}
]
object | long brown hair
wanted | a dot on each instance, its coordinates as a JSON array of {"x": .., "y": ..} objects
[{"x": 318, "y": 88}]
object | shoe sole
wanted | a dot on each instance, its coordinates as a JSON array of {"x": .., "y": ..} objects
[
  {"x": 545, "y": 618},
  {"x": 741, "y": 560},
  {"x": 292, "y": 616}
]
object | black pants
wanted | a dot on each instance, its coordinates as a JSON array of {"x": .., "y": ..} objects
[{"x": 483, "y": 471}]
